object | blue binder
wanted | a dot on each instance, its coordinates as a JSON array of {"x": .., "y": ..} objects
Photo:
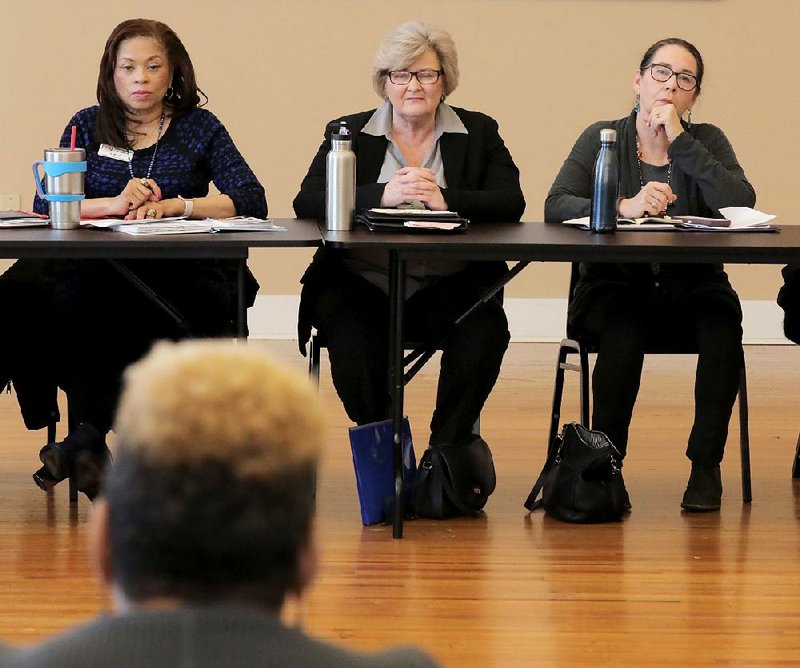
[{"x": 372, "y": 460}]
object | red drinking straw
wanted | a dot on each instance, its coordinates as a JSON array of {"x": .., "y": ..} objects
[{"x": 73, "y": 137}]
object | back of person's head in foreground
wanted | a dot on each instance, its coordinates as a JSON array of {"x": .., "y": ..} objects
[{"x": 209, "y": 499}]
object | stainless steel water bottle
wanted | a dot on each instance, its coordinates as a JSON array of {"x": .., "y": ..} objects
[
  {"x": 340, "y": 184},
  {"x": 606, "y": 185}
]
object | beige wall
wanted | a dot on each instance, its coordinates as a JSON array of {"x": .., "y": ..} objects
[{"x": 275, "y": 72}]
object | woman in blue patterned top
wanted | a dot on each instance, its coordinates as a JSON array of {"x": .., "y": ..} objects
[{"x": 151, "y": 153}]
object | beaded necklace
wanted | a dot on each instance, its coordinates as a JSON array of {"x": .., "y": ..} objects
[
  {"x": 155, "y": 150},
  {"x": 663, "y": 212}
]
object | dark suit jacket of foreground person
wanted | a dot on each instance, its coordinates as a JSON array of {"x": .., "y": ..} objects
[{"x": 199, "y": 637}]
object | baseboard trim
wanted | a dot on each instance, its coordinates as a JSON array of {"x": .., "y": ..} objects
[{"x": 530, "y": 319}]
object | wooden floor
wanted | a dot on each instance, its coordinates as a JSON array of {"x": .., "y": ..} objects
[{"x": 508, "y": 589}]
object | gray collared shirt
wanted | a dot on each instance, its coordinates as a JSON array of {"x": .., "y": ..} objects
[
  {"x": 380, "y": 125},
  {"x": 375, "y": 266}
]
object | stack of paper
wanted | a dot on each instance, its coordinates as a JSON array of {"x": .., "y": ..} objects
[
  {"x": 183, "y": 226},
  {"x": 22, "y": 219},
  {"x": 737, "y": 219}
]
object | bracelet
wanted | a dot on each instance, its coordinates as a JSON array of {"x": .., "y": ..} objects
[{"x": 188, "y": 207}]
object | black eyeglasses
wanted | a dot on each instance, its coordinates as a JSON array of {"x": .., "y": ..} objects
[
  {"x": 403, "y": 77},
  {"x": 663, "y": 73}
]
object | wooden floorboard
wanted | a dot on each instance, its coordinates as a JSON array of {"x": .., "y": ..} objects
[{"x": 509, "y": 588}]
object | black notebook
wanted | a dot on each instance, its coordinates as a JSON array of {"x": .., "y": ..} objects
[{"x": 411, "y": 220}]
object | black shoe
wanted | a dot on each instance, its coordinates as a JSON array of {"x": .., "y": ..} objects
[
  {"x": 58, "y": 458},
  {"x": 704, "y": 489},
  {"x": 88, "y": 470},
  {"x": 44, "y": 480}
]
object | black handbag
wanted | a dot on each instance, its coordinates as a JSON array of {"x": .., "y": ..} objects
[
  {"x": 454, "y": 480},
  {"x": 581, "y": 480}
]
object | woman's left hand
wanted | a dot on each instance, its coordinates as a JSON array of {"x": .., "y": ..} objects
[
  {"x": 167, "y": 208},
  {"x": 431, "y": 195},
  {"x": 417, "y": 183},
  {"x": 665, "y": 117}
]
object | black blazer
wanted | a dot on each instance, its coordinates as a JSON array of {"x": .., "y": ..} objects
[
  {"x": 482, "y": 179},
  {"x": 482, "y": 185}
]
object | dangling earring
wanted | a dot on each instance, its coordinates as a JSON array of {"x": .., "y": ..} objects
[
  {"x": 636, "y": 104},
  {"x": 442, "y": 100},
  {"x": 170, "y": 93},
  {"x": 689, "y": 119}
]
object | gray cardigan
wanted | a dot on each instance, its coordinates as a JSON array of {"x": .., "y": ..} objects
[{"x": 705, "y": 176}]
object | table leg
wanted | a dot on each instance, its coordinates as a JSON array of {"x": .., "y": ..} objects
[
  {"x": 397, "y": 297},
  {"x": 241, "y": 307}
]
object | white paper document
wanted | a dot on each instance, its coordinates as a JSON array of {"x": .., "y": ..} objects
[
  {"x": 7, "y": 223},
  {"x": 737, "y": 219},
  {"x": 183, "y": 226},
  {"x": 22, "y": 219},
  {"x": 411, "y": 213},
  {"x": 165, "y": 227}
]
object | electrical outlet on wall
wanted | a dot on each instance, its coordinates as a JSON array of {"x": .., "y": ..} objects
[{"x": 9, "y": 202}]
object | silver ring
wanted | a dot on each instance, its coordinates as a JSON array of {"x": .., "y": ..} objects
[
  {"x": 151, "y": 213},
  {"x": 143, "y": 182}
]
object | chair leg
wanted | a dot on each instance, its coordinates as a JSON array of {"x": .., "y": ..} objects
[
  {"x": 313, "y": 359},
  {"x": 796, "y": 465},
  {"x": 567, "y": 347},
  {"x": 73, "y": 487},
  {"x": 51, "y": 438},
  {"x": 73, "y": 490},
  {"x": 51, "y": 429},
  {"x": 744, "y": 436},
  {"x": 584, "y": 355},
  {"x": 558, "y": 392}
]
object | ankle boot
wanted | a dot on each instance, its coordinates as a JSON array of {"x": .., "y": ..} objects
[
  {"x": 58, "y": 458},
  {"x": 704, "y": 489},
  {"x": 89, "y": 470},
  {"x": 44, "y": 480}
]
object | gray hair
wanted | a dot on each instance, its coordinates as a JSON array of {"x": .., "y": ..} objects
[{"x": 405, "y": 44}]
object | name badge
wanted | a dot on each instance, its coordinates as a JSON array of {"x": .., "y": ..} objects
[{"x": 122, "y": 154}]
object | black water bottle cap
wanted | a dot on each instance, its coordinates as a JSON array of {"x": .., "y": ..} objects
[{"x": 340, "y": 131}]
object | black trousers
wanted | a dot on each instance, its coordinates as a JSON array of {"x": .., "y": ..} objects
[
  {"x": 353, "y": 316},
  {"x": 789, "y": 301},
  {"x": 622, "y": 331},
  {"x": 107, "y": 323}
]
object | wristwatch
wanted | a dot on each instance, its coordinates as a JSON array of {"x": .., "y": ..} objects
[{"x": 188, "y": 206}]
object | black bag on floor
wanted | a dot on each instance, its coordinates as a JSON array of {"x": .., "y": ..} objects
[
  {"x": 581, "y": 480},
  {"x": 454, "y": 480}
]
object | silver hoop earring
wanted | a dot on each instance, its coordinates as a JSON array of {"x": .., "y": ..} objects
[{"x": 689, "y": 118}]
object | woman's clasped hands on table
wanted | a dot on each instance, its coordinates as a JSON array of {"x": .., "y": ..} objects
[
  {"x": 141, "y": 199},
  {"x": 137, "y": 194},
  {"x": 413, "y": 183}
]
